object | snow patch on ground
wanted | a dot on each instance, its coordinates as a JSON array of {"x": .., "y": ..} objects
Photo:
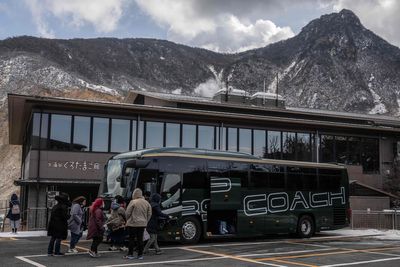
[
  {"x": 378, "y": 234},
  {"x": 272, "y": 85},
  {"x": 162, "y": 58},
  {"x": 379, "y": 108},
  {"x": 99, "y": 88}
]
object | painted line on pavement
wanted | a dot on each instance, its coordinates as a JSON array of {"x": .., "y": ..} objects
[
  {"x": 162, "y": 262},
  {"x": 361, "y": 262},
  {"x": 231, "y": 257},
  {"x": 34, "y": 263}
]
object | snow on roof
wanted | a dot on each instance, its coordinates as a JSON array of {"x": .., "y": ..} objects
[
  {"x": 232, "y": 91},
  {"x": 266, "y": 95}
]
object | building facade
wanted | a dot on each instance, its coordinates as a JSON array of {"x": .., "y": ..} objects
[{"x": 66, "y": 142}]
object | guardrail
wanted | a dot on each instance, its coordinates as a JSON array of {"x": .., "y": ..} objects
[{"x": 368, "y": 219}]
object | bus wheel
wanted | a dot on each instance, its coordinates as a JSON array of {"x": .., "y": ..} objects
[
  {"x": 190, "y": 230},
  {"x": 305, "y": 227}
]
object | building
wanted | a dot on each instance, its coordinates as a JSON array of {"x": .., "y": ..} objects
[{"x": 66, "y": 142}]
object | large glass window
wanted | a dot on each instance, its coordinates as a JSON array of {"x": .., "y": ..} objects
[
  {"x": 259, "y": 143},
  {"x": 303, "y": 147},
  {"x": 154, "y": 134},
  {"x": 341, "y": 149},
  {"x": 206, "y": 137},
  {"x": 274, "y": 147},
  {"x": 60, "y": 132},
  {"x": 140, "y": 135},
  {"x": 173, "y": 134},
  {"x": 326, "y": 148},
  {"x": 232, "y": 139},
  {"x": 100, "y": 134},
  {"x": 289, "y": 146},
  {"x": 81, "y": 138},
  {"x": 40, "y": 129},
  {"x": 354, "y": 144},
  {"x": 245, "y": 140},
  {"x": 120, "y": 134},
  {"x": 370, "y": 155},
  {"x": 133, "y": 135},
  {"x": 188, "y": 135}
]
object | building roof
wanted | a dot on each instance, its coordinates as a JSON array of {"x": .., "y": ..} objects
[
  {"x": 21, "y": 106},
  {"x": 369, "y": 188}
]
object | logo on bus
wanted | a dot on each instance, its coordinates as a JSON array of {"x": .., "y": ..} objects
[{"x": 262, "y": 204}]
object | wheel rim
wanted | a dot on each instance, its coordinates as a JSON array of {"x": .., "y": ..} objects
[
  {"x": 306, "y": 227},
  {"x": 189, "y": 230}
]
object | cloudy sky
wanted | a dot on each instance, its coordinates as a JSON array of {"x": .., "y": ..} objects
[{"x": 219, "y": 25}]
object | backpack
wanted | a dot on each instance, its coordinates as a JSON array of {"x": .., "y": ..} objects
[{"x": 15, "y": 209}]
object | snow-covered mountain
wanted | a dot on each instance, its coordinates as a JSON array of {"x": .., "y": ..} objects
[{"x": 333, "y": 63}]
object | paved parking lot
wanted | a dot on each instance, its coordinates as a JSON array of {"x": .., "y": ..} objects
[{"x": 322, "y": 250}]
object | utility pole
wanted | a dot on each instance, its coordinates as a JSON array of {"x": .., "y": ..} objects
[
  {"x": 227, "y": 89},
  {"x": 264, "y": 94},
  {"x": 277, "y": 88}
]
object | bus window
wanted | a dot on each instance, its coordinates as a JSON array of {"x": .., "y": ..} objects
[
  {"x": 294, "y": 179},
  {"x": 170, "y": 189},
  {"x": 258, "y": 179},
  {"x": 240, "y": 170},
  {"x": 329, "y": 180},
  {"x": 276, "y": 179},
  {"x": 195, "y": 179},
  {"x": 309, "y": 179},
  {"x": 147, "y": 180}
]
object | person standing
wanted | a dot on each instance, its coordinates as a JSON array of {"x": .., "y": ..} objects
[
  {"x": 96, "y": 226},
  {"x": 138, "y": 214},
  {"x": 58, "y": 225},
  {"x": 14, "y": 213},
  {"x": 116, "y": 223},
  {"x": 75, "y": 222},
  {"x": 152, "y": 226}
]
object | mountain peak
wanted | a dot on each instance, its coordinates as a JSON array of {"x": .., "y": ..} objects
[{"x": 334, "y": 22}]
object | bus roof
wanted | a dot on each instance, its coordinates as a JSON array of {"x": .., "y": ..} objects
[{"x": 218, "y": 155}]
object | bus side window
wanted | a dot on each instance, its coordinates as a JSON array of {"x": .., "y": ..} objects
[
  {"x": 240, "y": 170},
  {"x": 329, "y": 180},
  {"x": 294, "y": 179},
  {"x": 195, "y": 179},
  {"x": 147, "y": 180},
  {"x": 309, "y": 179},
  {"x": 276, "y": 180},
  {"x": 170, "y": 189}
]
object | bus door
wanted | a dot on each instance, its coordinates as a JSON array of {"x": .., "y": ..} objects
[{"x": 225, "y": 199}]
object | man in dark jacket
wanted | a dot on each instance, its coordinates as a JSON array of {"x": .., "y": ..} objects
[
  {"x": 58, "y": 225},
  {"x": 152, "y": 226},
  {"x": 14, "y": 213}
]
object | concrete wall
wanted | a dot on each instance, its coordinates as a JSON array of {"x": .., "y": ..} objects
[
  {"x": 373, "y": 203},
  {"x": 355, "y": 172}
]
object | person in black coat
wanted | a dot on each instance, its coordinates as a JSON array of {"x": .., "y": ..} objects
[
  {"x": 152, "y": 225},
  {"x": 58, "y": 225},
  {"x": 14, "y": 213}
]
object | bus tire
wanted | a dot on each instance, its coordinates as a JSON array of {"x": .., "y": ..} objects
[
  {"x": 190, "y": 230},
  {"x": 305, "y": 227}
]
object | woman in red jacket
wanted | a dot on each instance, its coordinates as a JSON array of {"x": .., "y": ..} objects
[{"x": 96, "y": 226}]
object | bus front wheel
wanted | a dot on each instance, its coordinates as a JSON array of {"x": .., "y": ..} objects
[
  {"x": 190, "y": 230},
  {"x": 305, "y": 227}
]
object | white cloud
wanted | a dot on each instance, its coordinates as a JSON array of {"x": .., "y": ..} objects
[
  {"x": 380, "y": 16},
  {"x": 221, "y": 26},
  {"x": 103, "y": 15}
]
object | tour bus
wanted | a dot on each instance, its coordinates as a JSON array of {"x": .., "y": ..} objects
[{"x": 229, "y": 194}]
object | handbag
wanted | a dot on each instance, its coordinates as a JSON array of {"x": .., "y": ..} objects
[{"x": 146, "y": 235}]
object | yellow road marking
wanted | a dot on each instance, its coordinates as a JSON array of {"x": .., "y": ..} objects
[
  {"x": 229, "y": 256},
  {"x": 347, "y": 251},
  {"x": 295, "y": 263},
  {"x": 81, "y": 248}
]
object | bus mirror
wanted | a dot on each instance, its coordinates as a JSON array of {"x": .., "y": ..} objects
[{"x": 131, "y": 164}]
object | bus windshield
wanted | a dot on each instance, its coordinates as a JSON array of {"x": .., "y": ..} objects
[{"x": 116, "y": 182}]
